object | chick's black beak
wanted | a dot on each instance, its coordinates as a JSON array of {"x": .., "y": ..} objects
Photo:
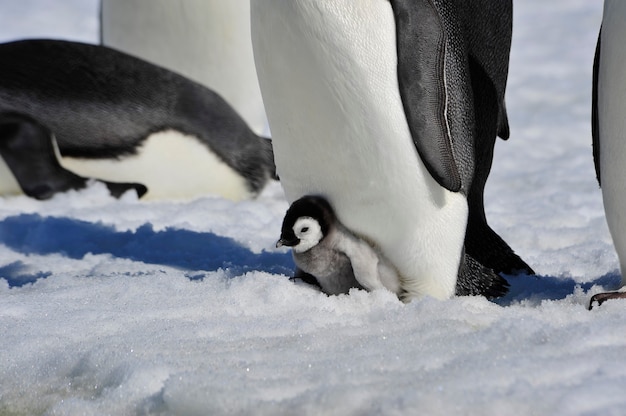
[{"x": 287, "y": 242}]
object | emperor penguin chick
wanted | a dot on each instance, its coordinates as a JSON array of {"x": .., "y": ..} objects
[{"x": 333, "y": 255}]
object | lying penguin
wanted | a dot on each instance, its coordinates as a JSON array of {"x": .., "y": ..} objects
[
  {"x": 329, "y": 255},
  {"x": 121, "y": 120}
]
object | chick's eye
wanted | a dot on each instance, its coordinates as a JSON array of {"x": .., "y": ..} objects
[{"x": 304, "y": 229}]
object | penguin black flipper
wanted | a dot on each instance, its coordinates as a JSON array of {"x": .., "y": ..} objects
[
  {"x": 27, "y": 148},
  {"x": 421, "y": 50}
]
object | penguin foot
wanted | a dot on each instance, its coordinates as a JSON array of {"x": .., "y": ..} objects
[
  {"x": 117, "y": 189},
  {"x": 603, "y": 297},
  {"x": 305, "y": 277},
  {"x": 43, "y": 190},
  {"x": 490, "y": 250},
  {"x": 476, "y": 279}
]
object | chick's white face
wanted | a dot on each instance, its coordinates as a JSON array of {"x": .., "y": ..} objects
[{"x": 309, "y": 233}]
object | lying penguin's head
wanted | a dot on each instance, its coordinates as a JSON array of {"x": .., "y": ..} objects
[{"x": 306, "y": 223}]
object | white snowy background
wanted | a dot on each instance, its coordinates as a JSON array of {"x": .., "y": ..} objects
[{"x": 126, "y": 307}]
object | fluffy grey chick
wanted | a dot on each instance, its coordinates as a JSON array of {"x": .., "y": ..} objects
[{"x": 326, "y": 250}]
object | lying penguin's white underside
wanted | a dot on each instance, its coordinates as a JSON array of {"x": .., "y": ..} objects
[
  {"x": 348, "y": 139},
  {"x": 612, "y": 123},
  {"x": 172, "y": 165}
]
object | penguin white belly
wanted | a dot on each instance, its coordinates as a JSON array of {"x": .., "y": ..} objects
[
  {"x": 612, "y": 123},
  {"x": 205, "y": 40},
  {"x": 171, "y": 165},
  {"x": 328, "y": 75}
]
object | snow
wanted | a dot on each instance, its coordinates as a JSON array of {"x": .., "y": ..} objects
[{"x": 184, "y": 308}]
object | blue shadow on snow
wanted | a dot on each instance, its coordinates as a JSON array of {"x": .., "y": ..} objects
[
  {"x": 539, "y": 288},
  {"x": 197, "y": 252},
  {"x": 184, "y": 249}
]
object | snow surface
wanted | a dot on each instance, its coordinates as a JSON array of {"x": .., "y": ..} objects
[{"x": 126, "y": 307}]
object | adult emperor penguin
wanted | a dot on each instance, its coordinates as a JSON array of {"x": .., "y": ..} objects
[
  {"x": 207, "y": 41},
  {"x": 120, "y": 119},
  {"x": 371, "y": 105},
  {"x": 609, "y": 129}
]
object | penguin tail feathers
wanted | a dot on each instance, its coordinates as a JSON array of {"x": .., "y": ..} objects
[{"x": 475, "y": 279}]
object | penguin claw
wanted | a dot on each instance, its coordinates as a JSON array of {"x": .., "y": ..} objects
[{"x": 603, "y": 297}]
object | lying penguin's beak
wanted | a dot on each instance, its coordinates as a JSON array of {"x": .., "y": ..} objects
[{"x": 280, "y": 243}]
